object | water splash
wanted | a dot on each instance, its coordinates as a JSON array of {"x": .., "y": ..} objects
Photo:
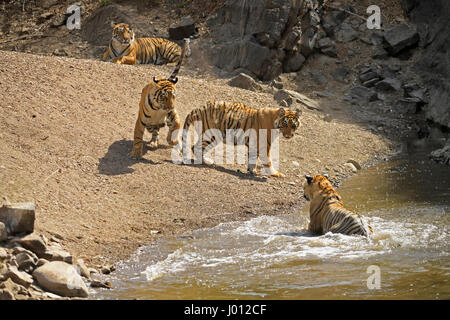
[{"x": 268, "y": 241}]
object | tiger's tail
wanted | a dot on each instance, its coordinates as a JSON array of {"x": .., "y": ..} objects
[{"x": 184, "y": 50}]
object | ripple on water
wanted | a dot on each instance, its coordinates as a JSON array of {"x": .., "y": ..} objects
[{"x": 259, "y": 242}]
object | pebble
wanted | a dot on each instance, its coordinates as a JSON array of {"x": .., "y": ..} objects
[
  {"x": 351, "y": 167},
  {"x": 101, "y": 284},
  {"x": 3, "y": 253},
  {"x": 107, "y": 269}
]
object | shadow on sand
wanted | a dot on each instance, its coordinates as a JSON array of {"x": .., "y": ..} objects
[
  {"x": 117, "y": 160},
  {"x": 239, "y": 174}
]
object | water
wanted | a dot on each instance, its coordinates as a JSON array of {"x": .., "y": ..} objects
[{"x": 406, "y": 200}]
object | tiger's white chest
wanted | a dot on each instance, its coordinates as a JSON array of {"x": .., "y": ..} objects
[{"x": 118, "y": 48}]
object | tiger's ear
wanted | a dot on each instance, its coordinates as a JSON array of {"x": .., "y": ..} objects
[
  {"x": 173, "y": 80},
  {"x": 281, "y": 112},
  {"x": 113, "y": 24},
  {"x": 326, "y": 175},
  {"x": 298, "y": 112},
  {"x": 309, "y": 179},
  {"x": 155, "y": 80}
]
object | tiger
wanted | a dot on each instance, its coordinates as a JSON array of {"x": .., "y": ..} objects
[
  {"x": 223, "y": 116},
  {"x": 124, "y": 48},
  {"x": 327, "y": 212},
  {"x": 157, "y": 109}
]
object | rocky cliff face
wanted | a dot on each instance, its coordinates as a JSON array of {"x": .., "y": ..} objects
[
  {"x": 431, "y": 18},
  {"x": 264, "y": 37}
]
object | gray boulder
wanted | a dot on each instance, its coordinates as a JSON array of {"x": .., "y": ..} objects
[
  {"x": 57, "y": 254},
  {"x": 291, "y": 97},
  {"x": 410, "y": 105},
  {"x": 399, "y": 38},
  {"x": 294, "y": 63},
  {"x": 368, "y": 76},
  {"x": 183, "y": 29},
  {"x": 391, "y": 84},
  {"x": 26, "y": 261},
  {"x": 19, "y": 277},
  {"x": 442, "y": 155},
  {"x": 363, "y": 94},
  {"x": 263, "y": 37},
  {"x": 346, "y": 33},
  {"x": 380, "y": 53},
  {"x": 18, "y": 217},
  {"x": 61, "y": 278},
  {"x": 333, "y": 19},
  {"x": 244, "y": 81},
  {"x": 34, "y": 243},
  {"x": 328, "y": 47}
]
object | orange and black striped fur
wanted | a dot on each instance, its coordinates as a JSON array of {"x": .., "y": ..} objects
[
  {"x": 156, "y": 110},
  {"x": 327, "y": 212},
  {"x": 232, "y": 115},
  {"x": 124, "y": 48}
]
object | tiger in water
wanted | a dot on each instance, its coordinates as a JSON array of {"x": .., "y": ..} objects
[
  {"x": 233, "y": 115},
  {"x": 124, "y": 48},
  {"x": 327, "y": 212}
]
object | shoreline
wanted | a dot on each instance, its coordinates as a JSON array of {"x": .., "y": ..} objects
[
  {"x": 283, "y": 211},
  {"x": 100, "y": 204}
]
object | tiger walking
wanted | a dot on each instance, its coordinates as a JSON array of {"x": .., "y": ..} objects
[
  {"x": 225, "y": 116},
  {"x": 156, "y": 110}
]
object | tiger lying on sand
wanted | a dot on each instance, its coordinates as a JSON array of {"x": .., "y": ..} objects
[
  {"x": 124, "y": 48},
  {"x": 327, "y": 212}
]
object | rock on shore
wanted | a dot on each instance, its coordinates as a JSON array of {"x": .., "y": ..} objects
[
  {"x": 30, "y": 266},
  {"x": 61, "y": 278}
]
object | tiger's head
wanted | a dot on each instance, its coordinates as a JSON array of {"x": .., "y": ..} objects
[
  {"x": 319, "y": 185},
  {"x": 288, "y": 121},
  {"x": 163, "y": 93},
  {"x": 122, "y": 33}
]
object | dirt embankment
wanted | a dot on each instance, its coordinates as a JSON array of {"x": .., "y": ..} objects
[{"x": 66, "y": 131}]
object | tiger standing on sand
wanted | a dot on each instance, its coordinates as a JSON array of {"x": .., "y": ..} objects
[
  {"x": 225, "y": 116},
  {"x": 157, "y": 109},
  {"x": 124, "y": 48},
  {"x": 327, "y": 212}
]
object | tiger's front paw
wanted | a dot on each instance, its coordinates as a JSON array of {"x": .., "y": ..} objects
[
  {"x": 254, "y": 171},
  {"x": 136, "y": 153},
  {"x": 207, "y": 161},
  {"x": 116, "y": 60},
  {"x": 154, "y": 144},
  {"x": 172, "y": 142},
  {"x": 277, "y": 175}
]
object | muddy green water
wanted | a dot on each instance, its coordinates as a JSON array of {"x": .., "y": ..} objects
[{"x": 406, "y": 200}]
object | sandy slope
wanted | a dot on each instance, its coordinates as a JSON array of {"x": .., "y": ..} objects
[{"x": 66, "y": 127}]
